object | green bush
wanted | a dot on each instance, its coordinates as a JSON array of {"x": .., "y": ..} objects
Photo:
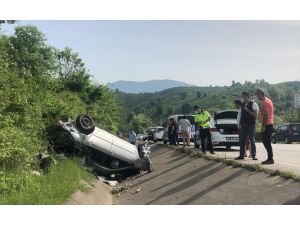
[{"x": 16, "y": 148}]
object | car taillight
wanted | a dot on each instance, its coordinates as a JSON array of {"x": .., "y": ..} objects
[{"x": 214, "y": 129}]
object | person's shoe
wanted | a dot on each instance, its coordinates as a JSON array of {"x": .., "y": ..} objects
[
  {"x": 212, "y": 152},
  {"x": 204, "y": 152},
  {"x": 239, "y": 158},
  {"x": 254, "y": 158},
  {"x": 268, "y": 162}
]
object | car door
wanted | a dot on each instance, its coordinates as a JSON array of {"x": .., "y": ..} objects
[
  {"x": 283, "y": 132},
  {"x": 277, "y": 134},
  {"x": 295, "y": 128}
]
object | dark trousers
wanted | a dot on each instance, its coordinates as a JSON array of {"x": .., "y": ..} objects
[
  {"x": 247, "y": 130},
  {"x": 205, "y": 134},
  {"x": 172, "y": 138},
  {"x": 266, "y": 138}
]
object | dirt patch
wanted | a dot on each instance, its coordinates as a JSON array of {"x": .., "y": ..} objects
[{"x": 94, "y": 193}]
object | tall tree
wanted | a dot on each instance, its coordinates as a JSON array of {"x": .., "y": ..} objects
[
  {"x": 186, "y": 108},
  {"x": 72, "y": 71},
  {"x": 30, "y": 53}
]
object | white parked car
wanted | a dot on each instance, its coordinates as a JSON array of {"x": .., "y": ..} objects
[
  {"x": 223, "y": 129},
  {"x": 107, "y": 153},
  {"x": 158, "y": 134}
]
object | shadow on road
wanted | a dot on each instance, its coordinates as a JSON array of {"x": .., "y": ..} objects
[
  {"x": 189, "y": 183},
  {"x": 296, "y": 201},
  {"x": 211, "y": 188},
  {"x": 181, "y": 156},
  {"x": 189, "y": 160},
  {"x": 188, "y": 175}
]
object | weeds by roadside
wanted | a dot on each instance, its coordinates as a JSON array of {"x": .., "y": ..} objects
[
  {"x": 53, "y": 188},
  {"x": 235, "y": 164}
]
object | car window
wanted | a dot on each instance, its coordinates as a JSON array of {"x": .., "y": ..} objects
[
  {"x": 283, "y": 128},
  {"x": 160, "y": 129},
  {"x": 296, "y": 127}
]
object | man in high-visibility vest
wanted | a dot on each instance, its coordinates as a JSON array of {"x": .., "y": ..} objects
[{"x": 202, "y": 119}]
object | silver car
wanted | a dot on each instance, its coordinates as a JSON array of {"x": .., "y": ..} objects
[{"x": 104, "y": 151}]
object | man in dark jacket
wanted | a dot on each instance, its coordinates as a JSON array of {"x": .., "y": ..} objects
[{"x": 249, "y": 112}]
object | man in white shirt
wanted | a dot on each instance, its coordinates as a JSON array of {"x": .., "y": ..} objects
[{"x": 185, "y": 127}]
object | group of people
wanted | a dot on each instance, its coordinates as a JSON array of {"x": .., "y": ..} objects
[
  {"x": 202, "y": 119},
  {"x": 246, "y": 120},
  {"x": 173, "y": 128}
]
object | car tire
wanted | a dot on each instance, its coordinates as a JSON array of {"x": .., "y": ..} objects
[
  {"x": 85, "y": 124},
  {"x": 228, "y": 147},
  {"x": 273, "y": 140},
  {"x": 165, "y": 142},
  {"x": 287, "y": 141}
]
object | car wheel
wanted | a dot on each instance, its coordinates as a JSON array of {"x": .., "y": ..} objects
[
  {"x": 273, "y": 140},
  {"x": 165, "y": 142},
  {"x": 228, "y": 147},
  {"x": 287, "y": 141},
  {"x": 85, "y": 124}
]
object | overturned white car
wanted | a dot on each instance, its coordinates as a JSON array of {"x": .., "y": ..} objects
[{"x": 107, "y": 153}]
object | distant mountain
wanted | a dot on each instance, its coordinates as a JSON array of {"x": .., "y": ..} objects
[{"x": 146, "y": 86}]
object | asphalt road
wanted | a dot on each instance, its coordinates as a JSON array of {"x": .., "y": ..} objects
[
  {"x": 286, "y": 156},
  {"x": 180, "y": 179}
]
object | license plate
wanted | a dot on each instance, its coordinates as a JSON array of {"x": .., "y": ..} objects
[{"x": 232, "y": 138}]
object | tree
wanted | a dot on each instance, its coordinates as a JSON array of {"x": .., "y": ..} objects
[
  {"x": 71, "y": 70},
  {"x": 170, "y": 111},
  {"x": 130, "y": 117},
  {"x": 186, "y": 108},
  {"x": 183, "y": 95},
  {"x": 30, "y": 53},
  {"x": 199, "y": 94},
  {"x": 140, "y": 122}
]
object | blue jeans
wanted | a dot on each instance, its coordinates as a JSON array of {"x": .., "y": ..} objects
[{"x": 247, "y": 130}]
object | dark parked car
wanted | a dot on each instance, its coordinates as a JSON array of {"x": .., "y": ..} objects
[{"x": 287, "y": 133}]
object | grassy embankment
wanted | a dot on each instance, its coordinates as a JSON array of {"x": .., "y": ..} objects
[{"x": 56, "y": 187}]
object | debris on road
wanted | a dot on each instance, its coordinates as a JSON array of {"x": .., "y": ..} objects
[
  {"x": 112, "y": 183},
  {"x": 137, "y": 191}
]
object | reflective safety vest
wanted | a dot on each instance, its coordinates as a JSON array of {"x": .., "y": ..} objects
[{"x": 200, "y": 119}]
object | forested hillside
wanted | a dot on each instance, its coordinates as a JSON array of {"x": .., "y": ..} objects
[
  {"x": 158, "y": 106},
  {"x": 39, "y": 84}
]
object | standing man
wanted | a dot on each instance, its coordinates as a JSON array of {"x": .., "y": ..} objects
[
  {"x": 132, "y": 137},
  {"x": 185, "y": 126},
  {"x": 202, "y": 119},
  {"x": 267, "y": 121},
  {"x": 172, "y": 131},
  {"x": 249, "y": 112}
]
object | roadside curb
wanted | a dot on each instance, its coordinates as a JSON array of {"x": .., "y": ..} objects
[{"x": 235, "y": 164}]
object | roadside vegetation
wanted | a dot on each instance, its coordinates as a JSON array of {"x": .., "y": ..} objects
[
  {"x": 55, "y": 187},
  {"x": 40, "y": 84}
]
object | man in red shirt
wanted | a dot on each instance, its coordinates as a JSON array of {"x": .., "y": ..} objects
[{"x": 267, "y": 120}]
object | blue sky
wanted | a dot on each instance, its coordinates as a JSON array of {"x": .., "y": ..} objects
[{"x": 197, "y": 52}]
